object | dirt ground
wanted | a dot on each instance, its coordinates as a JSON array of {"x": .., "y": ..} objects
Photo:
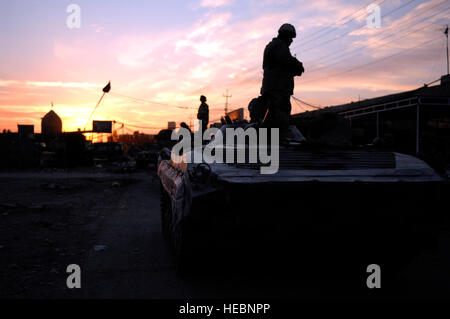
[
  {"x": 109, "y": 225},
  {"x": 51, "y": 220}
]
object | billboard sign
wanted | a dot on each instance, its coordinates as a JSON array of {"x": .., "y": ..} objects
[
  {"x": 236, "y": 115},
  {"x": 102, "y": 126}
]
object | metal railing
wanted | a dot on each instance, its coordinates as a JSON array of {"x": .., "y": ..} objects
[{"x": 409, "y": 102}]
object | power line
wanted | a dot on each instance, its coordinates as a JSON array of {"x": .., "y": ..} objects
[
  {"x": 335, "y": 24},
  {"x": 93, "y": 111},
  {"x": 392, "y": 11},
  {"x": 306, "y": 103},
  {"x": 349, "y": 54},
  {"x": 433, "y": 81},
  {"x": 301, "y": 106},
  {"x": 436, "y": 61},
  {"x": 349, "y": 31},
  {"x": 142, "y": 127},
  {"x": 338, "y": 25},
  {"x": 403, "y": 24},
  {"x": 346, "y": 33},
  {"x": 388, "y": 35},
  {"x": 155, "y": 102},
  {"x": 150, "y": 102}
]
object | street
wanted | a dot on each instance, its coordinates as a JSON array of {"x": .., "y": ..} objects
[{"x": 109, "y": 225}]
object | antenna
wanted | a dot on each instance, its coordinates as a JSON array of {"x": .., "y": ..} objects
[
  {"x": 446, "y": 34},
  {"x": 226, "y": 96}
]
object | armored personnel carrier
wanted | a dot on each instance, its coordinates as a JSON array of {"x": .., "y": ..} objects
[{"x": 322, "y": 200}]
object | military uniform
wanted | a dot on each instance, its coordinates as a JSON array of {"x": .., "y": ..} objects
[
  {"x": 280, "y": 67},
  {"x": 203, "y": 115}
]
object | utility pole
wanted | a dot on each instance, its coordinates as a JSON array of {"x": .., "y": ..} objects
[{"x": 226, "y": 96}]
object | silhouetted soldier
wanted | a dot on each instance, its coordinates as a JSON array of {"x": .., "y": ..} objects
[
  {"x": 203, "y": 113},
  {"x": 280, "y": 67},
  {"x": 184, "y": 125}
]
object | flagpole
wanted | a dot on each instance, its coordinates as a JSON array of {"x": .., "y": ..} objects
[
  {"x": 92, "y": 113},
  {"x": 105, "y": 90},
  {"x": 446, "y": 34}
]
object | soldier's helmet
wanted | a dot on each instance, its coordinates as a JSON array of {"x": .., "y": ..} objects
[{"x": 287, "y": 29}]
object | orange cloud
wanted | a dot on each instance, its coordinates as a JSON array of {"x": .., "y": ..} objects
[{"x": 219, "y": 51}]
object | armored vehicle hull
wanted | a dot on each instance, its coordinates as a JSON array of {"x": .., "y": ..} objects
[{"x": 320, "y": 202}]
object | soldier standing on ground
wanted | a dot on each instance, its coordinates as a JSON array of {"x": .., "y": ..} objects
[{"x": 280, "y": 67}]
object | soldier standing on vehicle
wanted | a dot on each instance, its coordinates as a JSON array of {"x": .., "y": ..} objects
[
  {"x": 280, "y": 67},
  {"x": 203, "y": 113}
]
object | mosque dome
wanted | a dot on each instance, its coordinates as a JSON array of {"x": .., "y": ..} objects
[{"x": 51, "y": 124}]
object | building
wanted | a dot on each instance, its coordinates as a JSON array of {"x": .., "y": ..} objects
[
  {"x": 413, "y": 122},
  {"x": 25, "y": 130},
  {"x": 51, "y": 124},
  {"x": 26, "y": 149}
]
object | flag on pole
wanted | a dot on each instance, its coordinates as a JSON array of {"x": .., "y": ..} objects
[{"x": 107, "y": 88}]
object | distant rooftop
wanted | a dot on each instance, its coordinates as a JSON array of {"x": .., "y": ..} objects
[{"x": 440, "y": 90}]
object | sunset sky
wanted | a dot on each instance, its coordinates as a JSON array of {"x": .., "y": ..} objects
[{"x": 171, "y": 52}]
